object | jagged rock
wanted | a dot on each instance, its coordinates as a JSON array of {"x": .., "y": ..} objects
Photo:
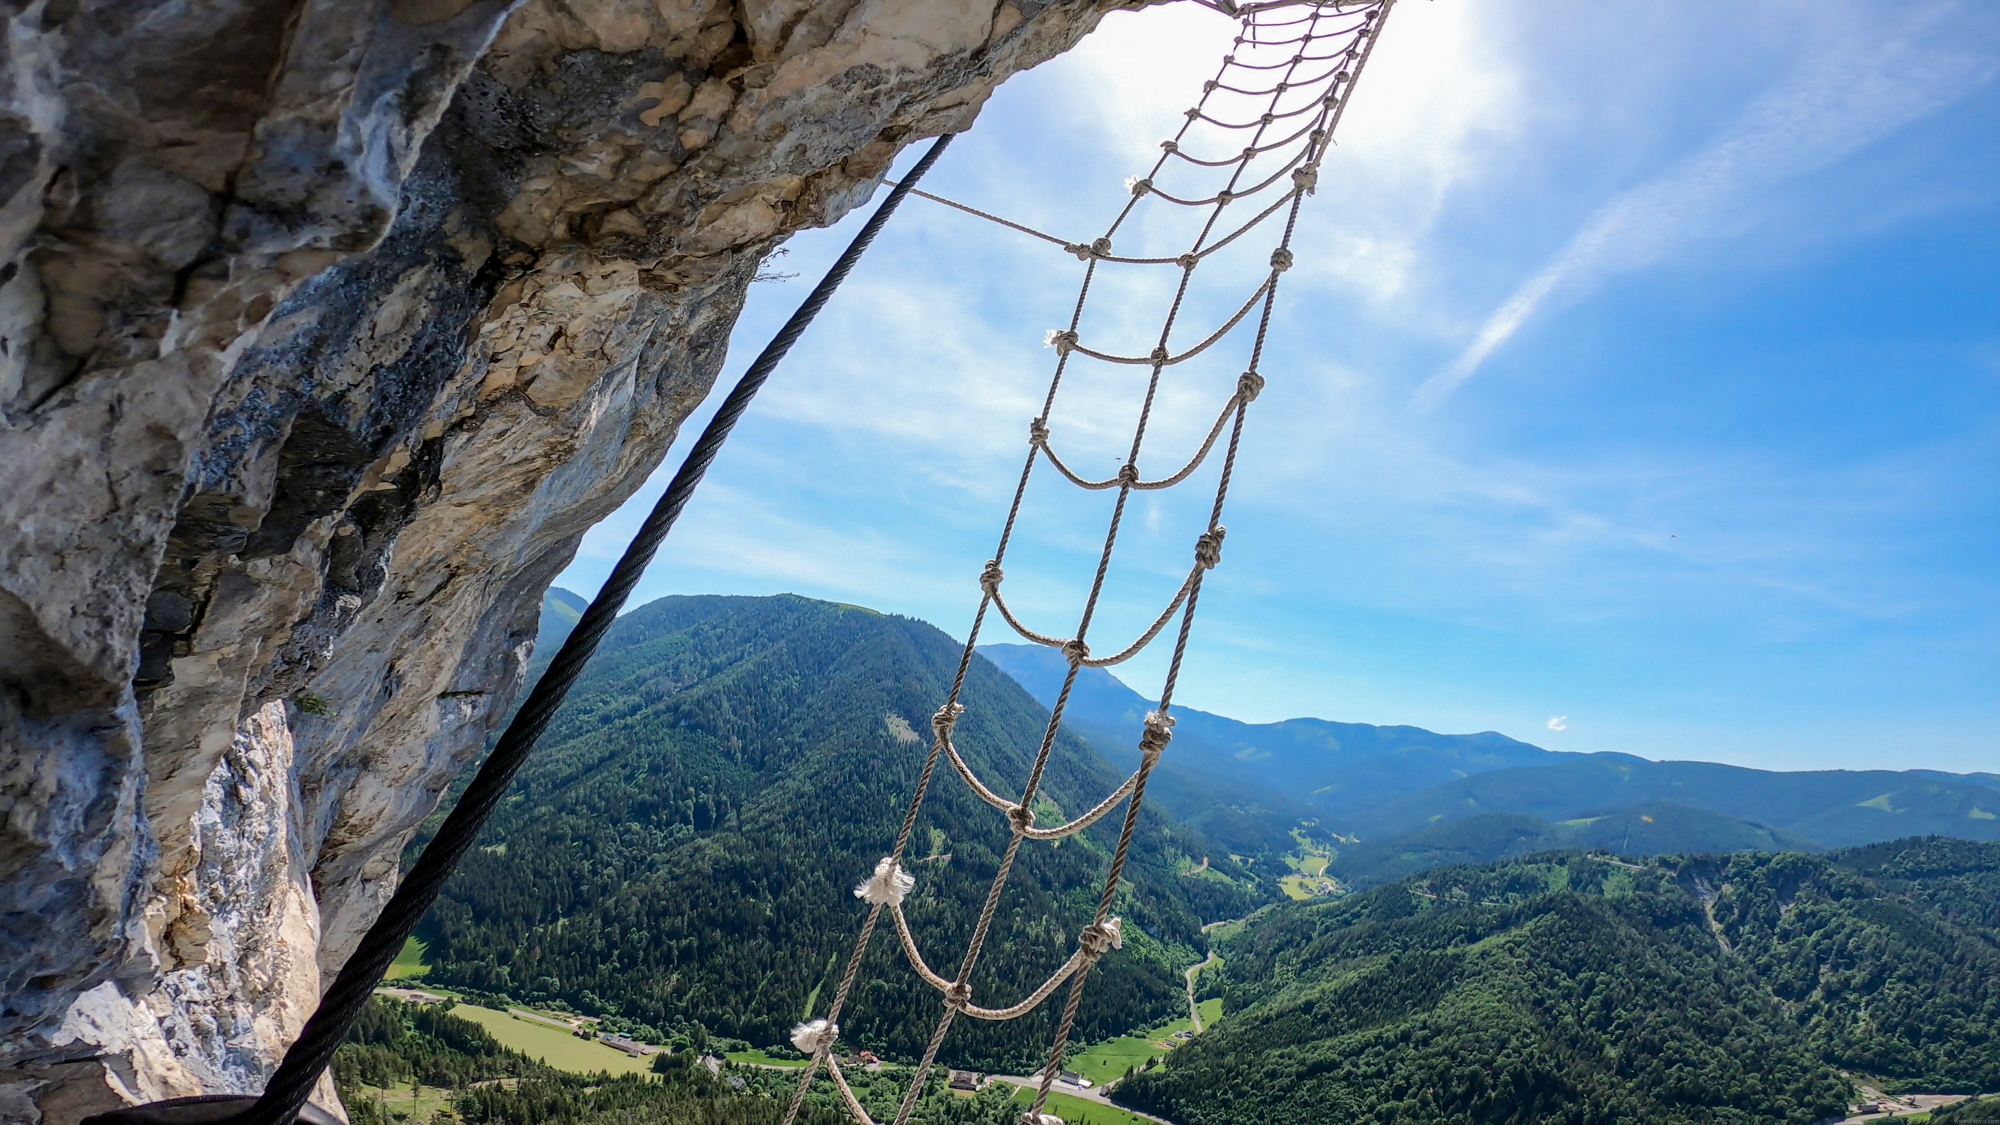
[{"x": 326, "y": 329}]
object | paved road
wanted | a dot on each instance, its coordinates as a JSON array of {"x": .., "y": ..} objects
[
  {"x": 1094, "y": 1094},
  {"x": 1194, "y": 1010}
]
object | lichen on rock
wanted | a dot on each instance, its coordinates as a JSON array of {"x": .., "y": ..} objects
[{"x": 326, "y": 330}]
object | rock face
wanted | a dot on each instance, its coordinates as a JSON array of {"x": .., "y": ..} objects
[{"x": 326, "y": 329}]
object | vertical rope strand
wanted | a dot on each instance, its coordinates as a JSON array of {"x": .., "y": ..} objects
[{"x": 1304, "y": 170}]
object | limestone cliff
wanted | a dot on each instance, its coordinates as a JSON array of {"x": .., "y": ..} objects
[{"x": 326, "y": 329}]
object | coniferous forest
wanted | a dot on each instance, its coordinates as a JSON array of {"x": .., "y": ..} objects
[
  {"x": 1567, "y": 988},
  {"x": 487, "y": 1084},
  {"x": 679, "y": 855},
  {"x": 682, "y": 847}
]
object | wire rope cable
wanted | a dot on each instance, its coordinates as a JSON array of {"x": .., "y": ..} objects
[{"x": 289, "y": 1087}]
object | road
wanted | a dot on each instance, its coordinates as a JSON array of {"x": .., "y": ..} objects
[
  {"x": 1194, "y": 1009},
  {"x": 1091, "y": 1095}
]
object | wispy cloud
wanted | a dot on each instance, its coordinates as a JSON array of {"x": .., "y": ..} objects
[
  {"x": 1844, "y": 96},
  {"x": 1558, "y": 722}
]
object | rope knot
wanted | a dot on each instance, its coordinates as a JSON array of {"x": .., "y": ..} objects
[
  {"x": 1076, "y": 650},
  {"x": 1038, "y": 432},
  {"x": 1141, "y": 186},
  {"x": 1307, "y": 178},
  {"x": 958, "y": 996},
  {"x": 1268, "y": 118},
  {"x": 1171, "y": 146},
  {"x": 1188, "y": 261},
  {"x": 1032, "y": 1118},
  {"x": 1339, "y": 78},
  {"x": 1100, "y": 938},
  {"x": 1061, "y": 339},
  {"x": 1194, "y": 113},
  {"x": 1248, "y": 386},
  {"x": 1101, "y": 248},
  {"x": 990, "y": 577},
  {"x": 1081, "y": 251},
  {"x": 1281, "y": 259},
  {"x": 1224, "y": 198},
  {"x": 1208, "y": 547},
  {"x": 1021, "y": 817},
  {"x": 1283, "y": 86},
  {"x": 886, "y": 887},
  {"x": 1208, "y": 87},
  {"x": 945, "y": 719},
  {"x": 1128, "y": 474},
  {"x": 1159, "y": 354},
  {"x": 1158, "y": 733},
  {"x": 815, "y": 1036}
]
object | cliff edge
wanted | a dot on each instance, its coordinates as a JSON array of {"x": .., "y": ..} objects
[{"x": 326, "y": 330}]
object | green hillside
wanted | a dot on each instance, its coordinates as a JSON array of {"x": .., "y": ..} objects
[
  {"x": 1826, "y": 808},
  {"x": 409, "y": 1065},
  {"x": 1416, "y": 799},
  {"x": 681, "y": 848},
  {"x": 1563, "y": 988},
  {"x": 1645, "y": 830},
  {"x": 561, "y": 610},
  {"x": 1296, "y": 767}
]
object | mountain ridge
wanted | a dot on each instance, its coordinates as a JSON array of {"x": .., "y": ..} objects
[
  {"x": 682, "y": 846},
  {"x": 1690, "y": 989},
  {"x": 1398, "y": 783}
]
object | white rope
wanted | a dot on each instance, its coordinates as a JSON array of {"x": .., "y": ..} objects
[
  {"x": 890, "y": 884},
  {"x": 847, "y": 1095},
  {"x": 1160, "y": 358},
  {"x": 1248, "y": 386},
  {"x": 1091, "y": 945}
]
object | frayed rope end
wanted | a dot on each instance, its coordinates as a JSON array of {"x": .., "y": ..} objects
[{"x": 887, "y": 886}]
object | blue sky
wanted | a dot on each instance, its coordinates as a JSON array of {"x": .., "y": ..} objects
[{"x": 1640, "y": 377}]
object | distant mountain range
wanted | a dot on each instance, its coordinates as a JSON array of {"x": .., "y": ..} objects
[{"x": 1406, "y": 799}]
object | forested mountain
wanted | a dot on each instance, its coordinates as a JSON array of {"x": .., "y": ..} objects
[
  {"x": 472, "y": 1078},
  {"x": 682, "y": 845},
  {"x": 1826, "y": 808},
  {"x": 1416, "y": 799},
  {"x": 1643, "y": 830},
  {"x": 561, "y": 609},
  {"x": 1573, "y": 989},
  {"x": 1326, "y": 766}
]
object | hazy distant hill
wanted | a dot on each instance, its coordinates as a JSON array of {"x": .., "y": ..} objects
[
  {"x": 1418, "y": 799},
  {"x": 1643, "y": 830},
  {"x": 1299, "y": 764},
  {"x": 682, "y": 845},
  {"x": 1825, "y": 808},
  {"x": 560, "y": 611},
  {"x": 1561, "y": 988}
]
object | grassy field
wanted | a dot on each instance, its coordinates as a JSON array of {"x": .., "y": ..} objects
[
  {"x": 412, "y": 1105},
  {"x": 1309, "y": 867},
  {"x": 410, "y": 962},
  {"x": 1103, "y": 1062},
  {"x": 755, "y": 1056},
  {"x": 552, "y": 1045},
  {"x": 1106, "y": 1061},
  {"x": 1076, "y": 1111}
]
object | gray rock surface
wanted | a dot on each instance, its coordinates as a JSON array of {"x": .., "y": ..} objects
[{"x": 327, "y": 327}]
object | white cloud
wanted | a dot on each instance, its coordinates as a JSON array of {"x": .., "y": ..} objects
[
  {"x": 1558, "y": 722},
  {"x": 1843, "y": 96}
]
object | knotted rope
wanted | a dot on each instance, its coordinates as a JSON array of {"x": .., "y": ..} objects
[{"x": 1325, "y": 97}]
